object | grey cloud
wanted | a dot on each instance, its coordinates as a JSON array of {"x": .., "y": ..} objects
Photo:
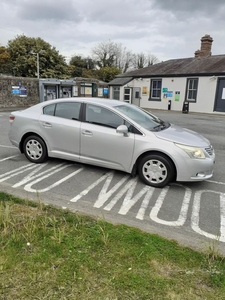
[
  {"x": 189, "y": 7},
  {"x": 48, "y": 11}
]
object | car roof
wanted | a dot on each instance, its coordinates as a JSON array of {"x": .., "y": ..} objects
[{"x": 102, "y": 101}]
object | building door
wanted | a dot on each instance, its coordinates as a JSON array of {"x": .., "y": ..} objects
[
  {"x": 94, "y": 90},
  {"x": 220, "y": 95},
  {"x": 127, "y": 95},
  {"x": 136, "y": 96}
]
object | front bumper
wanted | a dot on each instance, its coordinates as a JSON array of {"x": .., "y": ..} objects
[{"x": 196, "y": 169}]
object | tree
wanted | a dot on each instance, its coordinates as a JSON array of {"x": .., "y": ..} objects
[
  {"x": 141, "y": 60},
  {"x": 104, "y": 54},
  {"x": 123, "y": 58},
  {"x": 107, "y": 74},
  {"x": 110, "y": 54},
  {"x": 152, "y": 60},
  {"x": 82, "y": 65},
  {"x": 51, "y": 63},
  {"x": 5, "y": 61}
]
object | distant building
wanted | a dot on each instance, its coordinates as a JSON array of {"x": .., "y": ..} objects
[{"x": 198, "y": 81}]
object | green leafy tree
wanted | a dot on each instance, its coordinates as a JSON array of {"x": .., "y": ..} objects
[
  {"x": 107, "y": 74},
  {"x": 82, "y": 65},
  {"x": 5, "y": 61},
  {"x": 24, "y": 51}
]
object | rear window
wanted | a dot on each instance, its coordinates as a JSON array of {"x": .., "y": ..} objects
[{"x": 66, "y": 110}]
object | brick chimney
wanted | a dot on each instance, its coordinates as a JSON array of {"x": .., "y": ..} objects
[{"x": 206, "y": 45}]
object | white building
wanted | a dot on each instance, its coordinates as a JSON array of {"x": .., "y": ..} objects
[{"x": 196, "y": 84}]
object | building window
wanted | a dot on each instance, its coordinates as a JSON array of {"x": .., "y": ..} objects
[
  {"x": 155, "y": 89},
  {"x": 191, "y": 89},
  {"x": 116, "y": 93},
  {"x": 127, "y": 95},
  {"x": 86, "y": 90}
]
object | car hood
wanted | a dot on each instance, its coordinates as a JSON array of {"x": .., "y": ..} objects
[{"x": 182, "y": 136}]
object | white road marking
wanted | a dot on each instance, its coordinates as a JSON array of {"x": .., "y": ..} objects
[
  {"x": 183, "y": 212},
  {"x": 196, "y": 211},
  {"x": 4, "y": 146},
  {"x": 31, "y": 176},
  {"x": 129, "y": 201},
  {"x": 104, "y": 195},
  {"x": 16, "y": 172},
  {"x": 28, "y": 186},
  {"x": 217, "y": 182},
  {"x": 107, "y": 176},
  {"x": 8, "y": 158}
]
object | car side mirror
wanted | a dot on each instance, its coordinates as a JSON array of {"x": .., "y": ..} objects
[{"x": 122, "y": 129}]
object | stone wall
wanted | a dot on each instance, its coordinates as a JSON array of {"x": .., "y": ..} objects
[
  {"x": 10, "y": 100},
  {"x": 9, "y": 86}
]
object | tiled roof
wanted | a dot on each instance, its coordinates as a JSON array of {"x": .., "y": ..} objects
[
  {"x": 211, "y": 65},
  {"x": 120, "y": 81}
]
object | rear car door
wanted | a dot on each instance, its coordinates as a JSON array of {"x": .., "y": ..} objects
[
  {"x": 101, "y": 144},
  {"x": 60, "y": 125}
]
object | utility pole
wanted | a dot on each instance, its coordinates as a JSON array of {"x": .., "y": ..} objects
[{"x": 37, "y": 53}]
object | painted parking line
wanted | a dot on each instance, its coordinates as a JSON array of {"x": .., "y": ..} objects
[
  {"x": 7, "y": 158},
  {"x": 124, "y": 193},
  {"x": 216, "y": 182},
  {"x": 4, "y": 146}
]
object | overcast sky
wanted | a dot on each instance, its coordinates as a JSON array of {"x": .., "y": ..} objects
[{"x": 165, "y": 28}]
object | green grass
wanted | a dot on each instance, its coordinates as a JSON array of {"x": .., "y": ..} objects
[{"x": 48, "y": 253}]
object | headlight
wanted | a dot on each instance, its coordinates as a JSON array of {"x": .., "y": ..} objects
[{"x": 193, "y": 152}]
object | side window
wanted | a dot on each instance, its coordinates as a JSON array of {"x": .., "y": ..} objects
[
  {"x": 155, "y": 90},
  {"x": 102, "y": 116},
  {"x": 191, "y": 89},
  {"x": 68, "y": 110},
  {"x": 49, "y": 110}
]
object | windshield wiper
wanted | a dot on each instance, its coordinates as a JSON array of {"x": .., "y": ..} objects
[{"x": 161, "y": 126}]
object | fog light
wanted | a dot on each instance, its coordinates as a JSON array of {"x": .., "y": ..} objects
[{"x": 200, "y": 174}]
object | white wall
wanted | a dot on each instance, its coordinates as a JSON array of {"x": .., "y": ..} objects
[{"x": 205, "y": 96}]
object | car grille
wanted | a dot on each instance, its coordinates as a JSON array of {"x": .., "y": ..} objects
[{"x": 209, "y": 150}]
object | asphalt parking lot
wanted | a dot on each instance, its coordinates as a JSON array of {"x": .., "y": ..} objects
[{"x": 191, "y": 213}]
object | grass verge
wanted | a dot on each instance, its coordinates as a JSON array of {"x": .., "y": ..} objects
[{"x": 48, "y": 253}]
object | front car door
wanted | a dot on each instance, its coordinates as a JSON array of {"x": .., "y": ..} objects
[{"x": 101, "y": 144}]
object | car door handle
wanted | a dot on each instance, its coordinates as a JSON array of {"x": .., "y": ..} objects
[
  {"x": 46, "y": 124},
  {"x": 87, "y": 132}
]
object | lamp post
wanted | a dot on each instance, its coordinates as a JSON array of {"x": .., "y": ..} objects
[{"x": 37, "y": 53}]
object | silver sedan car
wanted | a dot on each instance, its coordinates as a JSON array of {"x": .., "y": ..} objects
[{"x": 112, "y": 134}]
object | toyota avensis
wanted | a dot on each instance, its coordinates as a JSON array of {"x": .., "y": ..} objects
[{"x": 112, "y": 134}]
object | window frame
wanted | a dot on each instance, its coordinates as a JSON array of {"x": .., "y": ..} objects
[
  {"x": 193, "y": 89},
  {"x": 94, "y": 106},
  {"x": 117, "y": 90},
  {"x": 57, "y": 105},
  {"x": 152, "y": 89}
]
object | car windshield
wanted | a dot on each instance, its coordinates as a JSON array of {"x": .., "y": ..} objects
[{"x": 142, "y": 117}]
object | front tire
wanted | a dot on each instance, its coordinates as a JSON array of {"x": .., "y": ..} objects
[
  {"x": 156, "y": 170},
  {"x": 35, "y": 149}
]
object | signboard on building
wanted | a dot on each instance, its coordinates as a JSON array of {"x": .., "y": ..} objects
[
  {"x": 19, "y": 90},
  {"x": 105, "y": 91}
]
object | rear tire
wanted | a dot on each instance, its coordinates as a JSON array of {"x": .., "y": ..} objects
[
  {"x": 35, "y": 149},
  {"x": 156, "y": 170}
]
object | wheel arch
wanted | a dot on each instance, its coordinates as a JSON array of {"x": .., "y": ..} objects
[
  {"x": 29, "y": 134},
  {"x": 153, "y": 152}
]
